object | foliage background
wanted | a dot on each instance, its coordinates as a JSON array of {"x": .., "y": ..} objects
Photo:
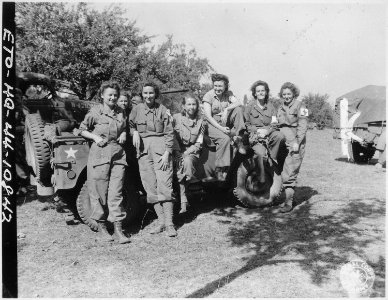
[{"x": 86, "y": 47}]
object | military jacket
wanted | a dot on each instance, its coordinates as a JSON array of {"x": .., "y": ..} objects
[
  {"x": 218, "y": 104},
  {"x": 188, "y": 132},
  {"x": 152, "y": 121},
  {"x": 108, "y": 124},
  {"x": 294, "y": 116},
  {"x": 256, "y": 118}
]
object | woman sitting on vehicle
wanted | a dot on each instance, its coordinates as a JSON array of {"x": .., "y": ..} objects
[
  {"x": 225, "y": 119},
  {"x": 153, "y": 138},
  {"x": 188, "y": 129},
  {"x": 260, "y": 116}
]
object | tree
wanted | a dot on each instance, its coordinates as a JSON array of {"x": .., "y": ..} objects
[
  {"x": 85, "y": 47},
  {"x": 320, "y": 110}
]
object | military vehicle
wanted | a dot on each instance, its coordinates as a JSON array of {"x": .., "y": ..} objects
[
  {"x": 359, "y": 121},
  {"x": 58, "y": 159}
]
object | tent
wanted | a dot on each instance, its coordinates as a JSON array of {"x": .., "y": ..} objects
[{"x": 370, "y": 100}]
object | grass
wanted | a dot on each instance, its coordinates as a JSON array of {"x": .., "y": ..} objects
[{"x": 222, "y": 250}]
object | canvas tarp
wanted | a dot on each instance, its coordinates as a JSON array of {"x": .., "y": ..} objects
[{"x": 370, "y": 100}]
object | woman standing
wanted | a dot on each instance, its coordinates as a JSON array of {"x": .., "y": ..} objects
[
  {"x": 153, "y": 138},
  {"x": 105, "y": 125},
  {"x": 188, "y": 129},
  {"x": 292, "y": 117}
]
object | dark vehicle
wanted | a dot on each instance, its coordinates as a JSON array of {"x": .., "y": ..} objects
[
  {"x": 58, "y": 159},
  {"x": 362, "y": 123}
]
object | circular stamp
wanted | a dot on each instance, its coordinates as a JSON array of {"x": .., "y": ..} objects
[{"x": 357, "y": 277}]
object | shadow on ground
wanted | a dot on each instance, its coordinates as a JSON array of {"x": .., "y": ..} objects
[{"x": 319, "y": 243}]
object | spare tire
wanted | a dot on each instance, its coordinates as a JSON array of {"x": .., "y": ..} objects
[
  {"x": 37, "y": 150},
  {"x": 253, "y": 186},
  {"x": 133, "y": 205}
]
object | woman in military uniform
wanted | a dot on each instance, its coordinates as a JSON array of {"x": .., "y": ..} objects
[
  {"x": 188, "y": 129},
  {"x": 260, "y": 120},
  {"x": 105, "y": 125},
  {"x": 153, "y": 138},
  {"x": 225, "y": 118},
  {"x": 292, "y": 117}
]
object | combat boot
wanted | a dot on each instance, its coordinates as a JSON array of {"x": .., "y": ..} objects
[
  {"x": 168, "y": 214},
  {"x": 159, "y": 212},
  {"x": 121, "y": 238},
  {"x": 289, "y": 201},
  {"x": 103, "y": 232}
]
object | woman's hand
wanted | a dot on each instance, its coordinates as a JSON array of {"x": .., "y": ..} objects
[
  {"x": 136, "y": 140},
  {"x": 262, "y": 132},
  {"x": 122, "y": 138},
  {"x": 101, "y": 142},
  {"x": 226, "y": 130},
  {"x": 165, "y": 161}
]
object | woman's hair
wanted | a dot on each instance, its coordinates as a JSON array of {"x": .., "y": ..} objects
[
  {"x": 288, "y": 85},
  {"x": 154, "y": 86},
  {"x": 126, "y": 94},
  {"x": 109, "y": 84},
  {"x": 221, "y": 77},
  {"x": 266, "y": 87},
  {"x": 190, "y": 96}
]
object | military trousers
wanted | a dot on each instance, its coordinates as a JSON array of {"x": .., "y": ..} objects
[
  {"x": 276, "y": 145},
  {"x": 292, "y": 166},
  {"x": 235, "y": 122},
  {"x": 157, "y": 183},
  {"x": 106, "y": 169},
  {"x": 185, "y": 167}
]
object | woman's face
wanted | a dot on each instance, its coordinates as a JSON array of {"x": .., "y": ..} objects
[
  {"x": 109, "y": 96},
  {"x": 190, "y": 106},
  {"x": 123, "y": 102},
  {"x": 219, "y": 87},
  {"x": 260, "y": 92},
  {"x": 287, "y": 95},
  {"x": 148, "y": 94}
]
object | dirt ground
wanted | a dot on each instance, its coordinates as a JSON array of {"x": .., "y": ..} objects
[{"x": 222, "y": 250}]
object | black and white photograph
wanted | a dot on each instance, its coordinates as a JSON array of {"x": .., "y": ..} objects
[{"x": 194, "y": 149}]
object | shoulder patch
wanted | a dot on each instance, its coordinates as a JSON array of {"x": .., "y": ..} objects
[{"x": 304, "y": 112}]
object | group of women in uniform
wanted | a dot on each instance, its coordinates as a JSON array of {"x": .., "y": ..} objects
[{"x": 164, "y": 145}]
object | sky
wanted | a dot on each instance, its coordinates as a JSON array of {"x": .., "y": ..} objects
[{"x": 327, "y": 48}]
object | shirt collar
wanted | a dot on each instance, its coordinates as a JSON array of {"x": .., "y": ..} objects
[
  {"x": 189, "y": 122},
  {"x": 150, "y": 110},
  {"x": 110, "y": 112}
]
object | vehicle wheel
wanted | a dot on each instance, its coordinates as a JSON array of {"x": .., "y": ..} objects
[
  {"x": 84, "y": 207},
  {"x": 133, "y": 205},
  {"x": 248, "y": 190},
  {"x": 359, "y": 153},
  {"x": 37, "y": 150}
]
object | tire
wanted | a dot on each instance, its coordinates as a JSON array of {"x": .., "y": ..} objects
[
  {"x": 247, "y": 189},
  {"x": 359, "y": 153},
  {"x": 37, "y": 150},
  {"x": 133, "y": 205},
  {"x": 84, "y": 207}
]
